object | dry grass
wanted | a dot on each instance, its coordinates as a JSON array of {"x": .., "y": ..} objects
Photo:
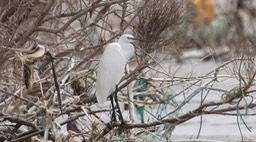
[{"x": 161, "y": 23}]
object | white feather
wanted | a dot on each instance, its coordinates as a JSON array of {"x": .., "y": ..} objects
[{"x": 112, "y": 65}]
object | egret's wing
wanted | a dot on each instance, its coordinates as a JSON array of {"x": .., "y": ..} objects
[{"x": 110, "y": 72}]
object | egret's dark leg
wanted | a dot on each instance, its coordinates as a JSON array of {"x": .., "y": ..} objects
[
  {"x": 113, "y": 116},
  {"x": 117, "y": 105}
]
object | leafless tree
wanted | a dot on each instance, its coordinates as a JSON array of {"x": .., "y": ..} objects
[{"x": 75, "y": 33}]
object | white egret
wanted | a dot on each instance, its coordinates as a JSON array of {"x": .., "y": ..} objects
[{"x": 112, "y": 67}]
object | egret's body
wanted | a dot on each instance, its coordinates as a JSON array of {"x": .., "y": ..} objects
[{"x": 112, "y": 65}]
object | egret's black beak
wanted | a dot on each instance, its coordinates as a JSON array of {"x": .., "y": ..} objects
[{"x": 139, "y": 39}]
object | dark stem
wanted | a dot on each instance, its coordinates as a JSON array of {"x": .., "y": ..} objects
[
  {"x": 55, "y": 81},
  {"x": 113, "y": 116},
  {"x": 117, "y": 105}
]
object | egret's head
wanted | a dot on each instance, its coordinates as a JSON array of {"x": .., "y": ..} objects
[{"x": 127, "y": 38}]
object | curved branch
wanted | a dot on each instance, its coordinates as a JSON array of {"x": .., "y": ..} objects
[
  {"x": 20, "y": 121},
  {"x": 21, "y": 40},
  {"x": 81, "y": 13},
  {"x": 183, "y": 118}
]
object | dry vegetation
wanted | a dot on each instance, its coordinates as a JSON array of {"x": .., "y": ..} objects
[{"x": 75, "y": 33}]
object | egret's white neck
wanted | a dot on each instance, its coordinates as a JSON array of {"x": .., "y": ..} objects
[{"x": 128, "y": 50}]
